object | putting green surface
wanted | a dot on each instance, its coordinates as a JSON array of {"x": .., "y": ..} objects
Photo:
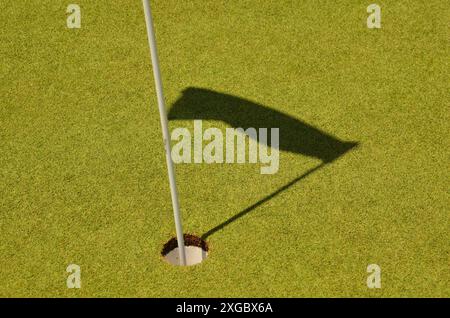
[{"x": 82, "y": 169}]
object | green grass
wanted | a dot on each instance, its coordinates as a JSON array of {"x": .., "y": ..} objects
[{"x": 82, "y": 169}]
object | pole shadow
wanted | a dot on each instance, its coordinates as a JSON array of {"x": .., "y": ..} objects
[
  {"x": 296, "y": 136},
  {"x": 260, "y": 202}
]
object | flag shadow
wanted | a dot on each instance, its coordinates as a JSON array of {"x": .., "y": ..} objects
[{"x": 296, "y": 136}]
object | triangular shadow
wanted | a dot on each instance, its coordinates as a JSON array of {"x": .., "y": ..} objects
[{"x": 296, "y": 136}]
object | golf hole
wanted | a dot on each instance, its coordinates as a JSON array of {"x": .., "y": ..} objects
[{"x": 196, "y": 250}]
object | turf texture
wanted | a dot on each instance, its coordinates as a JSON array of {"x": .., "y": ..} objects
[{"x": 82, "y": 169}]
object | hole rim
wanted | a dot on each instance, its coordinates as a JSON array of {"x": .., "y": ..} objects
[{"x": 189, "y": 240}]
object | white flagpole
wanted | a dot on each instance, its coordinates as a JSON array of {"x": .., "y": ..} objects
[{"x": 165, "y": 130}]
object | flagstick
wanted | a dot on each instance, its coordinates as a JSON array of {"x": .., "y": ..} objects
[{"x": 165, "y": 130}]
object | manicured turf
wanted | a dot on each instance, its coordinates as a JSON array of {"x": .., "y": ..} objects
[{"x": 82, "y": 169}]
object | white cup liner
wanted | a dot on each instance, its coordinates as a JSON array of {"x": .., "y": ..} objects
[
  {"x": 194, "y": 255},
  {"x": 195, "y": 248}
]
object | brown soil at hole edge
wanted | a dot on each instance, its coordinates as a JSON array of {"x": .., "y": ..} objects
[{"x": 189, "y": 240}]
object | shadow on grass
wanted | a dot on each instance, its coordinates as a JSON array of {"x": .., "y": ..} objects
[{"x": 296, "y": 136}]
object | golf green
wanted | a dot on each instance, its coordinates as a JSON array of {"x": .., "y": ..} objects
[{"x": 83, "y": 176}]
